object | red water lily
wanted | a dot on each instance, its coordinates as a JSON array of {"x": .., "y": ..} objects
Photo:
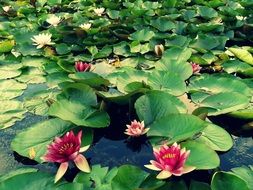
[
  {"x": 65, "y": 149},
  {"x": 195, "y": 68},
  {"x": 170, "y": 161},
  {"x": 136, "y": 129},
  {"x": 82, "y": 66}
]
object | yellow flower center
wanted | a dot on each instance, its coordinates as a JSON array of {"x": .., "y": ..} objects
[
  {"x": 169, "y": 155},
  {"x": 65, "y": 147}
]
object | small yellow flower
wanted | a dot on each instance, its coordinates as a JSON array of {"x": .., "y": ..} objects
[{"x": 41, "y": 40}]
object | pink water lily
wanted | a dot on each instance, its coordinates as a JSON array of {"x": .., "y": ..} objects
[
  {"x": 82, "y": 66},
  {"x": 195, "y": 68},
  {"x": 170, "y": 161},
  {"x": 65, "y": 149},
  {"x": 136, "y": 129}
]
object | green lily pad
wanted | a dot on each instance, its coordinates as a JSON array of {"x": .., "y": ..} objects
[
  {"x": 163, "y": 24},
  {"x": 226, "y": 102},
  {"x": 10, "y": 112},
  {"x": 82, "y": 115},
  {"x": 242, "y": 54},
  {"x": 78, "y": 104},
  {"x": 246, "y": 173},
  {"x": 6, "y": 46},
  {"x": 100, "y": 175},
  {"x": 89, "y": 78},
  {"x": 155, "y": 105},
  {"x": 225, "y": 180},
  {"x": 205, "y": 85},
  {"x": 216, "y": 138},
  {"x": 10, "y": 89},
  {"x": 143, "y": 35},
  {"x": 168, "y": 82},
  {"x": 7, "y": 74},
  {"x": 201, "y": 156},
  {"x": 128, "y": 182},
  {"x": 176, "y": 127}
]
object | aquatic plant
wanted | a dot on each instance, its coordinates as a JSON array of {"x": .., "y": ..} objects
[
  {"x": 170, "y": 160},
  {"x": 65, "y": 149}
]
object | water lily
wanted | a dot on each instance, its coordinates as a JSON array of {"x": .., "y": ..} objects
[
  {"x": 159, "y": 49},
  {"x": 99, "y": 11},
  {"x": 6, "y": 8},
  {"x": 82, "y": 66},
  {"x": 170, "y": 161},
  {"x": 42, "y": 39},
  {"x": 136, "y": 129},
  {"x": 85, "y": 26},
  {"x": 54, "y": 20},
  {"x": 195, "y": 68},
  {"x": 65, "y": 149}
]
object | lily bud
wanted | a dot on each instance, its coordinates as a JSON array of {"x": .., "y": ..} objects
[{"x": 159, "y": 49}]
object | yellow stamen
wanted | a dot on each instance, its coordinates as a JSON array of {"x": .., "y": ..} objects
[
  {"x": 65, "y": 147},
  {"x": 169, "y": 156}
]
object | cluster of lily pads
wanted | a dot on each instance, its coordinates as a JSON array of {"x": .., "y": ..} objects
[{"x": 176, "y": 64}]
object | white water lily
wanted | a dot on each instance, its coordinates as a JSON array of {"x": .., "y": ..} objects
[
  {"x": 54, "y": 20},
  {"x": 85, "y": 26},
  {"x": 41, "y": 40},
  {"x": 99, "y": 11},
  {"x": 6, "y": 8}
]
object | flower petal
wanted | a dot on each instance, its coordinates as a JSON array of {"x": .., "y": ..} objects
[
  {"x": 152, "y": 167},
  {"x": 61, "y": 171},
  {"x": 82, "y": 163},
  {"x": 163, "y": 175}
]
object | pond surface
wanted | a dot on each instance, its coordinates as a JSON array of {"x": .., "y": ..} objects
[{"x": 112, "y": 148}]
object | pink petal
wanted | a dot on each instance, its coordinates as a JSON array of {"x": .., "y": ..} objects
[
  {"x": 61, "y": 171},
  {"x": 163, "y": 175},
  {"x": 82, "y": 163}
]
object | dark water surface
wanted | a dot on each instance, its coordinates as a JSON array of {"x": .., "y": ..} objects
[{"x": 112, "y": 148}]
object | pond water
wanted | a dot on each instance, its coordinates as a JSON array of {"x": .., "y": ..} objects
[{"x": 112, "y": 148}]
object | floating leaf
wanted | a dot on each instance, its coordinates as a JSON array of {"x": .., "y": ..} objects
[
  {"x": 155, "y": 105},
  {"x": 216, "y": 138},
  {"x": 10, "y": 89},
  {"x": 242, "y": 54},
  {"x": 201, "y": 156},
  {"x": 176, "y": 127},
  {"x": 143, "y": 35},
  {"x": 225, "y": 180}
]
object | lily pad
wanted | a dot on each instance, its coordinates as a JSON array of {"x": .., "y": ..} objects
[
  {"x": 155, "y": 105},
  {"x": 201, "y": 156},
  {"x": 10, "y": 89},
  {"x": 225, "y": 180},
  {"x": 216, "y": 138},
  {"x": 10, "y": 112},
  {"x": 176, "y": 127},
  {"x": 168, "y": 82}
]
